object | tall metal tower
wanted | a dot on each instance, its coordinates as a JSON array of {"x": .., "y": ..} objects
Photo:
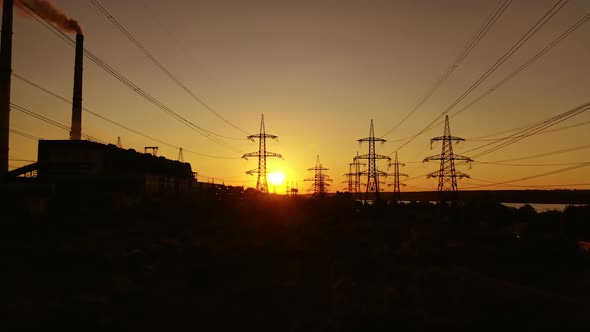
[
  {"x": 292, "y": 189},
  {"x": 447, "y": 175},
  {"x": 372, "y": 172},
  {"x": 350, "y": 176},
  {"x": 320, "y": 179},
  {"x": 357, "y": 174},
  {"x": 354, "y": 176},
  {"x": 396, "y": 183},
  {"x": 262, "y": 154},
  {"x": 119, "y": 144}
]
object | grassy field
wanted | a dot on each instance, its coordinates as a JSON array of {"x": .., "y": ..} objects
[{"x": 295, "y": 264}]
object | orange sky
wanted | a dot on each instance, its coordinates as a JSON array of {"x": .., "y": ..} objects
[{"x": 319, "y": 71}]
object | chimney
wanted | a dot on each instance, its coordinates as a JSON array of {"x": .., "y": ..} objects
[
  {"x": 5, "y": 79},
  {"x": 76, "y": 130}
]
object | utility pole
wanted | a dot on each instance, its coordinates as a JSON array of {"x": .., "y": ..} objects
[
  {"x": 372, "y": 172},
  {"x": 447, "y": 175},
  {"x": 396, "y": 182},
  {"x": 262, "y": 154},
  {"x": 320, "y": 179}
]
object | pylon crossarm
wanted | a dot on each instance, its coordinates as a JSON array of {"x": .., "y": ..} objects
[
  {"x": 461, "y": 158},
  {"x": 251, "y": 154},
  {"x": 456, "y": 139},
  {"x": 462, "y": 175},
  {"x": 252, "y": 137},
  {"x": 369, "y": 139},
  {"x": 435, "y": 157},
  {"x": 402, "y": 174},
  {"x": 252, "y": 171},
  {"x": 272, "y": 154},
  {"x": 432, "y": 175},
  {"x": 367, "y": 156}
]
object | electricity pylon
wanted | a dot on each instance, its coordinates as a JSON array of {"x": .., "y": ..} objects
[
  {"x": 320, "y": 179},
  {"x": 396, "y": 182},
  {"x": 350, "y": 176},
  {"x": 372, "y": 172},
  {"x": 292, "y": 189},
  {"x": 354, "y": 176},
  {"x": 357, "y": 174},
  {"x": 262, "y": 154},
  {"x": 447, "y": 175},
  {"x": 119, "y": 144}
]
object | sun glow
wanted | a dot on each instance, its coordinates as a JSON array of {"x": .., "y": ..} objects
[{"x": 276, "y": 178}]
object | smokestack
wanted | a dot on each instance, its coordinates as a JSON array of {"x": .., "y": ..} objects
[
  {"x": 5, "y": 79},
  {"x": 76, "y": 130}
]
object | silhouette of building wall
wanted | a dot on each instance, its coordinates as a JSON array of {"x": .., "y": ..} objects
[{"x": 78, "y": 166}]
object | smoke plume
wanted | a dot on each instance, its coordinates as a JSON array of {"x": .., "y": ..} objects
[{"x": 49, "y": 12}]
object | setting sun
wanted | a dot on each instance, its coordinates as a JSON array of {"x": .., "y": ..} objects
[{"x": 276, "y": 178}]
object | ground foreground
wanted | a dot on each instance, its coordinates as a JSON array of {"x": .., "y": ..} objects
[{"x": 295, "y": 264}]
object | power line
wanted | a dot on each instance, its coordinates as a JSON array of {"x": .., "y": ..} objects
[
  {"x": 543, "y": 132},
  {"x": 531, "y": 131},
  {"x": 532, "y": 31},
  {"x": 561, "y": 170},
  {"x": 179, "y": 43},
  {"x": 531, "y": 165},
  {"x": 29, "y": 82},
  {"x": 545, "y": 154},
  {"x": 490, "y": 21},
  {"x": 556, "y": 41},
  {"x": 23, "y": 134},
  {"x": 536, "y": 186},
  {"x": 153, "y": 59},
  {"x": 50, "y": 121},
  {"x": 206, "y": 133},
  {"x": 546, "y": 49},
  {"x": 22, "y": 160}
]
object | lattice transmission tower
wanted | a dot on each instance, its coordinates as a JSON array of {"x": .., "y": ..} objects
[
  {"x": 357, "y": 174},
  {"x": 262, "y": 154},
  {"x": 447, "y": 175},
  {"x": 354, "y": 176},
  {"x": 396, "y": 175},
  {"x": 372, "y": 172},
  {"x": 350, "y": 178},
  {"x": 320, "y": 179}
]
